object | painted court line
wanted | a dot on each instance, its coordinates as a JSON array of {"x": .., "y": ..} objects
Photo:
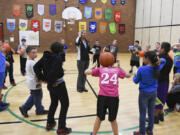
[
  {"x": 39, "y": 120},
  {"x": 43, "y": 127}
]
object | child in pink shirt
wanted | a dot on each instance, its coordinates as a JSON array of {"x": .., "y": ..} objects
[{"x": 108, "y": 97}]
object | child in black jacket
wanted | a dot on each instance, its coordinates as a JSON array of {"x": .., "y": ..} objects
[{"x": 49, "y": 69}]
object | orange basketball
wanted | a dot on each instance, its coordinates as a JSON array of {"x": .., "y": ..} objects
[
  {"x": 7, "y": 47},
  {"x": 141, "y": 54},
  {"x": 21, "y": 52},
  {"x": 170, "y": 55},
  {"x": 106, "y": 59}
]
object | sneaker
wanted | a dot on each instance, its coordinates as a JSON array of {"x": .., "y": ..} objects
[
  {"x": 64, "y": 131},
  {"x": 3, "y": 108},
  {"x": 85, "y": 90},
  {"x": 23, "y": 112},
  {"x": 4, "y": 104},
  {"x": 136, "y": 133},
  {"x": 5, "y": 87},
  {"x": 13, "y": 83},
  {"x": 156, "y": 119},
  {"x": 169, "y": 110},
  {"x": 80, "y": 91},
  {"x": 50, "y": 126},
  {"x": 148, "y": 133},
  {"x": 161, "y": 117},
  {"x": 44, "y": 112},
  {"x": 130, "y": 71}
]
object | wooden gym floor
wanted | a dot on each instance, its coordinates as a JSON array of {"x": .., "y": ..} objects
[{"x": 82, "y": 110}]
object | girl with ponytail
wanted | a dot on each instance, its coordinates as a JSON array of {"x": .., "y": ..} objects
[
  {"x": 163, "y": 82},
  {"x": 147, "y": 77}
]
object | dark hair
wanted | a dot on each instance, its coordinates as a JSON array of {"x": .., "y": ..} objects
[
  {"x": 57, "y": 47},
  {"x": 29, "y": 49},
  {"x": 23, "y": 40},
  {"x": 152, "y": 56},
  {"x": 158, "y": 43},
  {"x": 166, "y": 46},
  {"x": 137, "y": 41}
]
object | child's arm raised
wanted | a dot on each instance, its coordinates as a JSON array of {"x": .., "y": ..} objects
[
  {"x": 78, "y": 39},
  {"x": 137, "y": 76},
  {"x": 127, "y": 74},
  {"x": 89, "y": 70},
  {"x": 161, "y": 62}
]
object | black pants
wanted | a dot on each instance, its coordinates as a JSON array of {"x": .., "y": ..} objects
[
  {"x": 23, "y": 64},
  {"x": 110, "y": 103},
  {"x": 58, "y": 93},
  {"x": 82, "y": 66},
  {"x": 63, "y": 56},
  {"x": 134, "y": 63},
  {"x": 173, "y": 99},
  {"x": 10, "y": 70},
  {"x": 96, "y": 58}
]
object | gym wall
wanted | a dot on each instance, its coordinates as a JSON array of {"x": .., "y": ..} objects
[
  {"x": 157, "y": 21},
  {"x": 70, "y": 32}
]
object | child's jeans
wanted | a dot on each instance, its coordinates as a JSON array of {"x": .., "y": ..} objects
[
  {"x": 146, "y": 102},
  {"x": 34, "y": 99}
]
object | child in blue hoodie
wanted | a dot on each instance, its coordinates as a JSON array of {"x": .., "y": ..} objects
[
  {"x": 147, "y": 77},
  {"x": 3, "y": 64}
]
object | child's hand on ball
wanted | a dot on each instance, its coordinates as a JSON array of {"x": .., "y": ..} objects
[
  {"x": 94, "y": 65},
  {"x": 118, "y": 62}
]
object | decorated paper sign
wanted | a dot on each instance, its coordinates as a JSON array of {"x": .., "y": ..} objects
[
  {"x": 23, "y": 24},
  {"x": 40, "y": 9},
  {"x": 17, "y": 9},
  {"x": 82, "y": 1},
  {"x": 11, "y": 24},
  {"x": 102, "y": 27},
  {"x": 113, "y": 2},
  {"x": 98, "y": 13},
  {"x": 104, "y": 1},
  {"x": 35, "y": 25},
  {"x": 123, "y": 2},
  {"x": 93, "y": 1},
  {"x": 92, "y": 27},
  {"x": 58, "y": 25},
  {"x": 82, "y": 26},
  {"x": 52, "y": 9},
  {"x": 108, "y": 14},
  {"x": 87, "y": 12},
  {"x": 122, "y": 28},
  {"x": 46, "y": 25},
  {"x": 117, "y": 16},
  {"x": 29, "y": 11},
  {"x": 112, "y": 28}
]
